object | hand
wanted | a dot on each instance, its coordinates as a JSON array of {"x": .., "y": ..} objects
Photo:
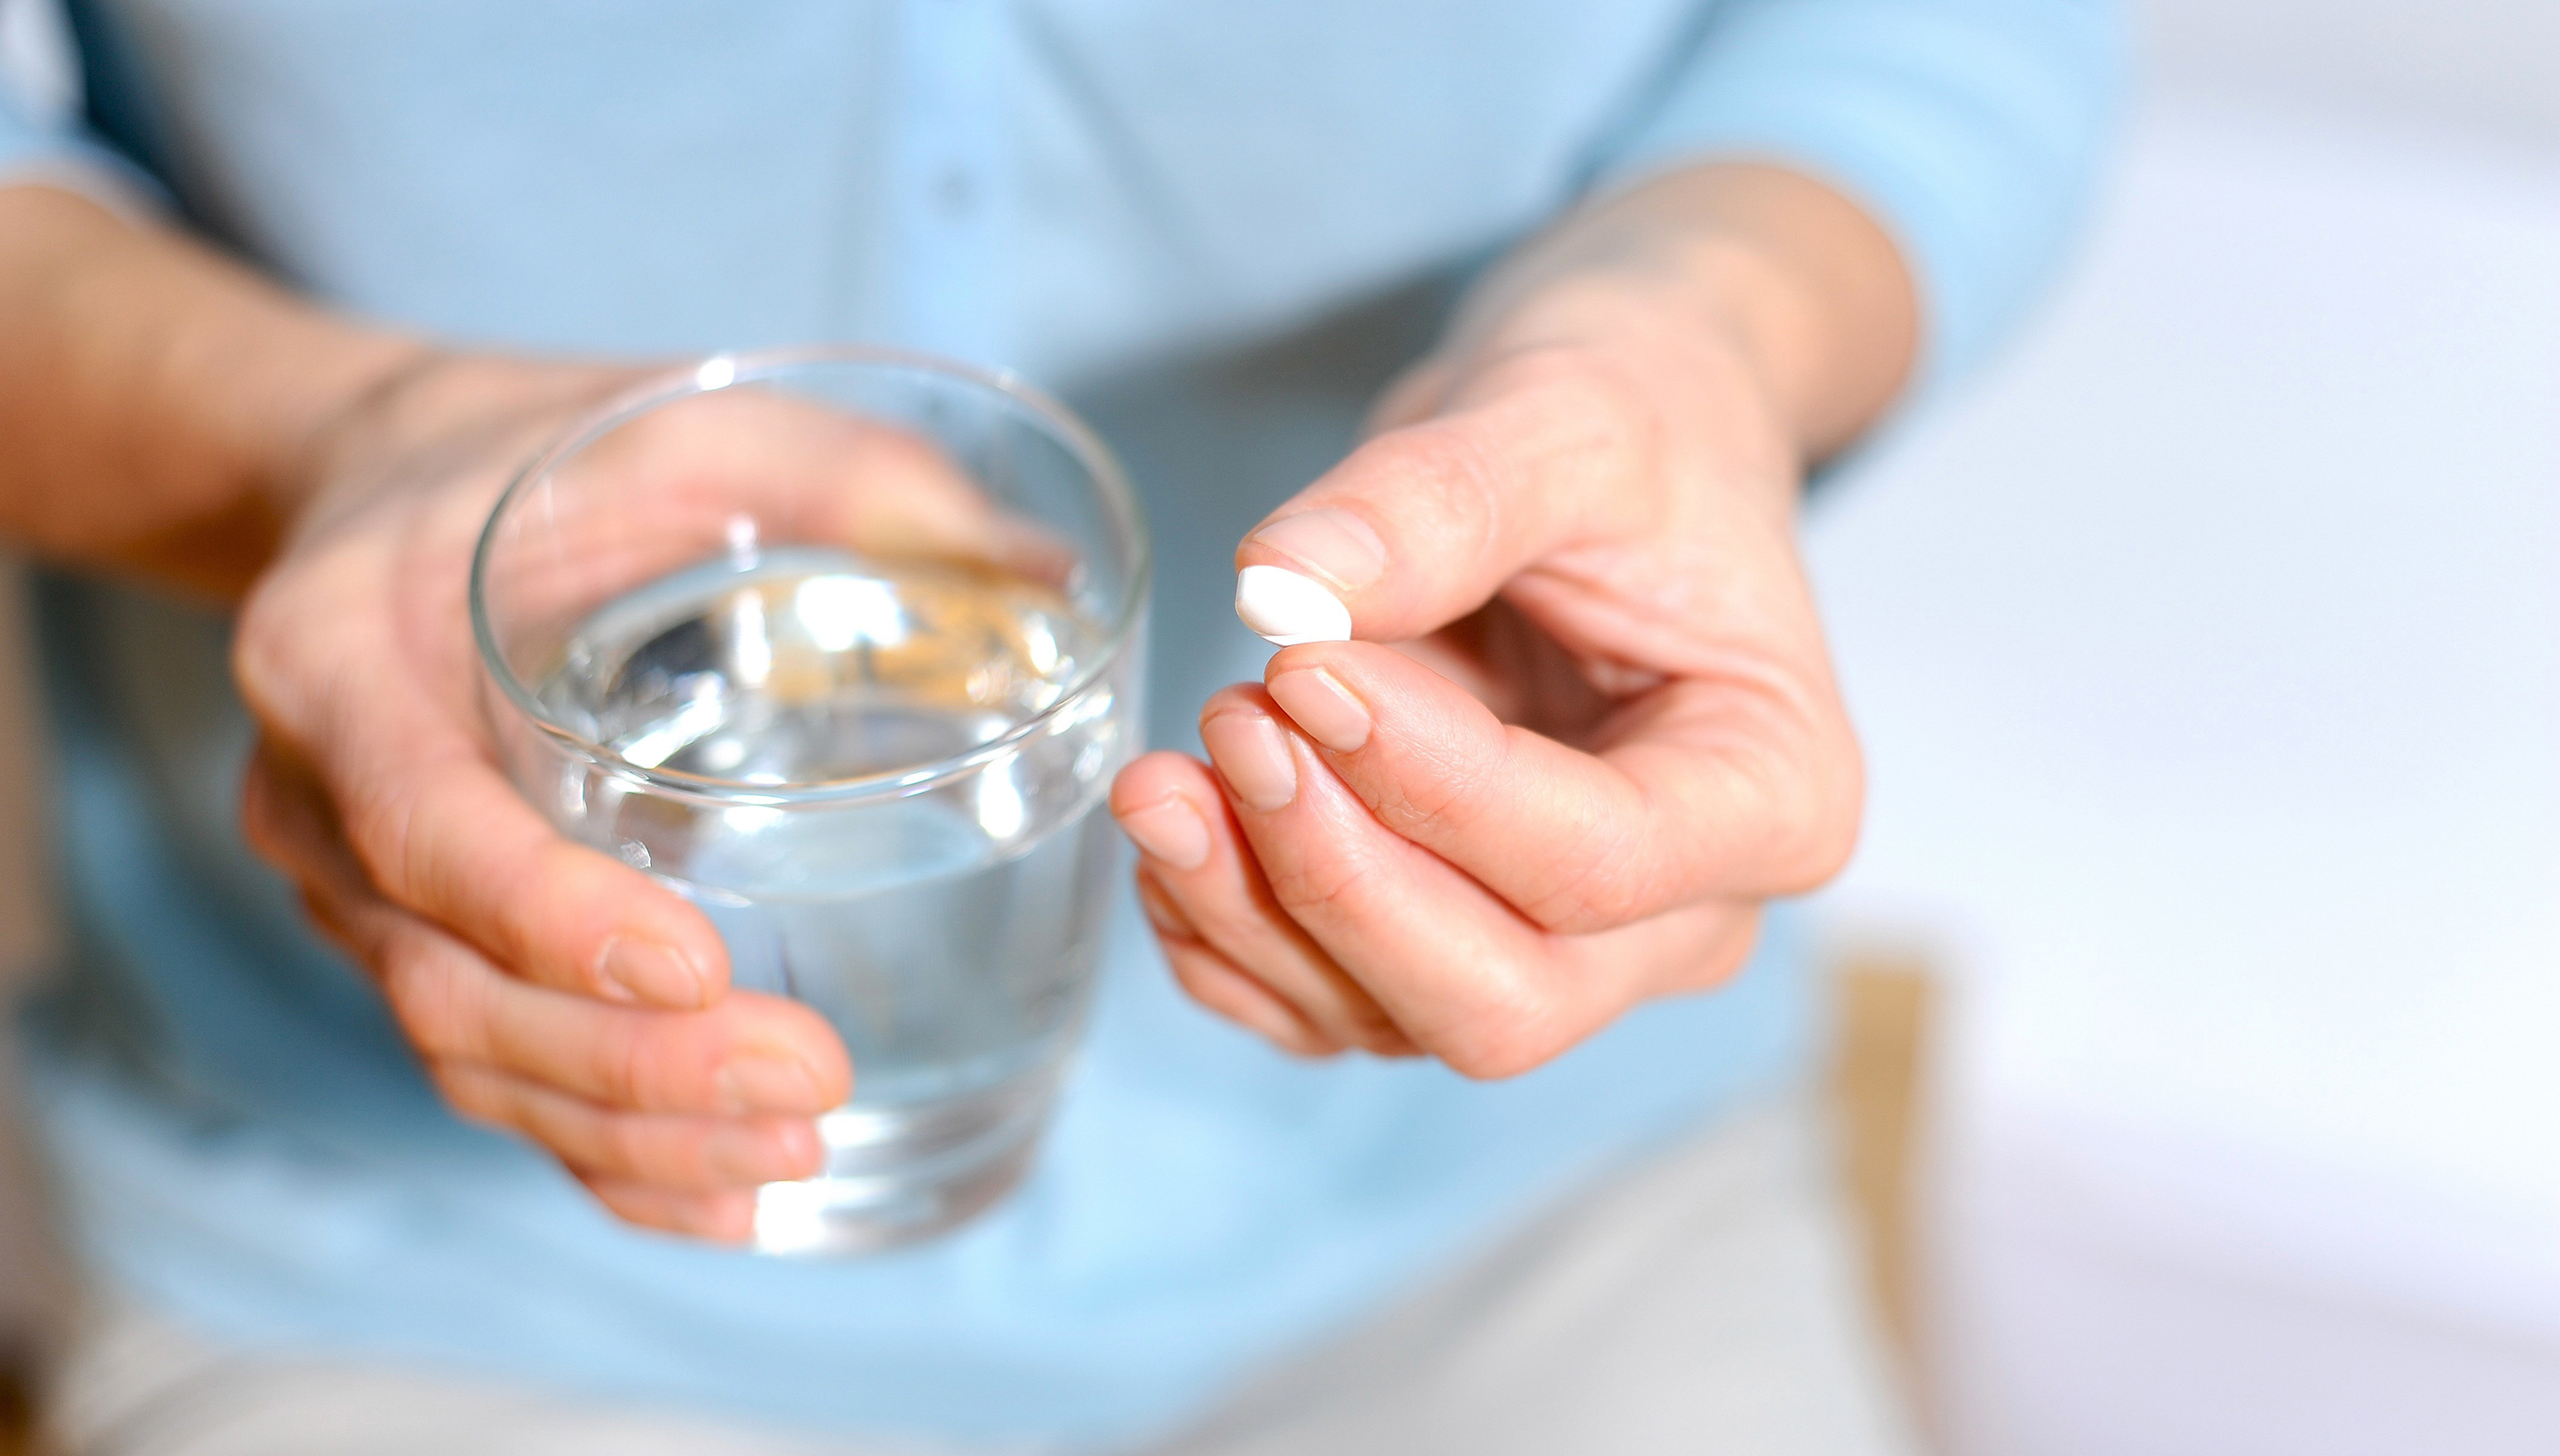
[
  {"x": 1587, "y": 728},
  {"x": 549, "y": 989}
]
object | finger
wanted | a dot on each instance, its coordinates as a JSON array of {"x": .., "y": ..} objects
[
  {"x": 669, "y": 1150},
  {"x": 1222, "y": 986},
  {"x": 360, "y": 748},
  {"x": 285, "y": 823},
  {"x": 744, "y": 469},
  {"x": 1698, "y": 790},
  {"x": 725, "y": 1216},
  {"x": 443, "y": 834},
  {"x": 1459, "y": 972},
  {"x": 751, "y": 1054},
  {"x": 286, "y": 815},
  {"x": 452, "y": 840},
  {"x": 1464, "y": 975},
  {"x": 1692, "y": 949},
  {"x": 1539, "y": 453},
  {"x": 1367, "y": 905},
  {"x": 902, "y": 495},
  {"x": 1175, "y": 812}
]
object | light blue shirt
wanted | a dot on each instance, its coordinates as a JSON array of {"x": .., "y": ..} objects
[{"x": 1216, "y": 229}]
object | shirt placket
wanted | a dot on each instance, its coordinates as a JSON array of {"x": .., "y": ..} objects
[{"x": 948, "y": 191}]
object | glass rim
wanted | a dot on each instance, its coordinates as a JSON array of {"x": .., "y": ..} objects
[{"x": 728, "y": 369}]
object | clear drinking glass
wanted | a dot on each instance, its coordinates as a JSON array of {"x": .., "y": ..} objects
[{"x": 843, "y": 646}]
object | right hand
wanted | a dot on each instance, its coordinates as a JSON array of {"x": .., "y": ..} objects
[{"x": 549, "y": 989}]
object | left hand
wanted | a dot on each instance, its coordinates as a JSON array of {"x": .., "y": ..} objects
[
  {"x": 548, "y": 988},
  {"x": 1587, "y": 727}
]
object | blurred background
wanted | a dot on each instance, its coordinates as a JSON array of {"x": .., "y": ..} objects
[
  {"x": 2208, "y": 658},
  {"x": 2201, "y": 1012}
]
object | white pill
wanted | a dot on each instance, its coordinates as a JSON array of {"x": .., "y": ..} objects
[{"x": 1288, "y": 609}]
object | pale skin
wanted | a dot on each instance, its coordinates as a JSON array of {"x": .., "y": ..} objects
[{"x": 1588, "y": 728}]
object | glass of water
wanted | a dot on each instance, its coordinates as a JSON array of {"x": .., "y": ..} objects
[{"x": 843, "y": 646}]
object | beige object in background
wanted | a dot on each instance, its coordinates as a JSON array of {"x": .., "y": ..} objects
[{"x": 1884, "y": 1000}]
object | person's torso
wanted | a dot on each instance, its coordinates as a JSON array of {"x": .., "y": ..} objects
[{"x": 1217, "y": 230}]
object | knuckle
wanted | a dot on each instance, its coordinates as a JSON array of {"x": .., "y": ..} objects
[
  {"x": 1173, "y": 925},
  {"x": 1443, "y": 789},
  {"x": 283, "y": 640},
  {"x": 1827, "y": 852},
  {"x": 1209, "y": 981},
  {"x": 1714, "y": 955},
  {"x": 1734, "y": 951},
  {"x": 1190, "y": 973},
  {"x": 1593, "y": 861},
  {"x": 1446, "y": 465},
  {"x": 628, "y": 1064},
  {"x": 1516, "y": 1025},
  {"x": 1611, "y": 885},
  {"x": 1496, "y": 1053},
  {"x": 469, "y": 1092},
  {"x": 433, "y": 998},
  {"x": 329, "y": 916},
  {"x": 1816, "y": 810},
  {"x": 378, "y": 817},
  {"x": 1501, "y": 1056},
  {"x": 626, "y": 1145},
  {"x": 665, "y": 1061},
  {"x": 547, "y": 908},
  {"x": 1222, "y": 919},
  {"x": 632, "y": 1204},
  {"x": 1324, "y": 886},
  {"x": 1839, "y": 820},
  {"x": 1373, "y": 1030}
]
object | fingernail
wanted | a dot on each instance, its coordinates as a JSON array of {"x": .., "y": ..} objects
[
  {"x": 1318, "y": 702},
  {"x": 1339, "y": 549},
  {"x": 1288, "y": 609},
  {"x": 653, "y": 972},
  {"x": 767, "y": 1082},
  {"x": 753, "y": 1153},
  {"x": 1252, "y": 755},
  {"x": 1169, "y": 831}
]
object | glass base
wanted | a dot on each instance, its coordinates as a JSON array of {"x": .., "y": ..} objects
[{"x": 898, "y": 1175}]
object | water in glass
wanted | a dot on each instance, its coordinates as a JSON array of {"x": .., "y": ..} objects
[{"x": 951, "y": 937}]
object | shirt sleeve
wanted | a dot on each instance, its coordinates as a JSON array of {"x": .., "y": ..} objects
[{"x": 1969, "y": 129}]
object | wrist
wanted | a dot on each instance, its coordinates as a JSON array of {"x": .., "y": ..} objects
[
  {"x": 1672, "y": 346},
  {"x": 315, "y": 402},
  {"x": 1768, "y": 268},
  {"x": 156, "y": 396}
]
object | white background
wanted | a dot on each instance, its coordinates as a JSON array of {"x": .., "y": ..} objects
[{"x": 2208, "y": 653}]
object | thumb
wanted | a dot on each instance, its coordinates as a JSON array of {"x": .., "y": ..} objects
[{"x": 1423, "y": 525}]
